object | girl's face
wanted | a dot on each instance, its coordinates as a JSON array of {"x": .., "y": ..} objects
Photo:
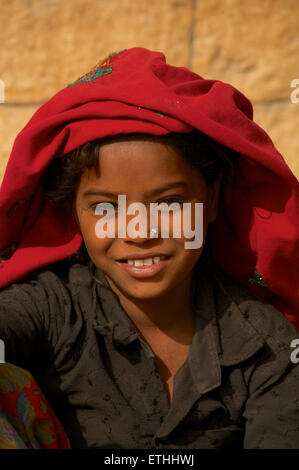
[{"x": 145, "y": 170}]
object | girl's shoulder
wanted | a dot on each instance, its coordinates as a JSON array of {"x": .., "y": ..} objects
[
  {"x": 67, "y": 272},
  {"x": 56, "y": 287},
  {"x": 244, "y": 316}
]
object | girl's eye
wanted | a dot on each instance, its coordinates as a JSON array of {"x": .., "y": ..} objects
[
  {"x": 104, "y": 206},
  {"x": 169, "y": 200},
  {"x": 107, "y": 206}
]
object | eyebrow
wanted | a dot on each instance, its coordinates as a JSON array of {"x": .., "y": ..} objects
[{"x": 103, "y": 192}]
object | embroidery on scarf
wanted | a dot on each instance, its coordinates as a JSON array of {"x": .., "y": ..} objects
[
  {"x": 148, "y": 109},
  {"x": 258, "y": 280},
  {"x": 101, "y": 68}
]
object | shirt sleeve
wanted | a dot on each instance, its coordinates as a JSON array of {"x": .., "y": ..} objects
[
  {"x": 29, "y": 316},
  {"x": 272, "y": 409}
]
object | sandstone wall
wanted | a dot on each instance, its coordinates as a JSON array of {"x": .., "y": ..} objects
[{"x": 46, "y": 44}]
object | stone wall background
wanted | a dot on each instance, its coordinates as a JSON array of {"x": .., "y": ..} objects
[{"x": 46, "y": 44}]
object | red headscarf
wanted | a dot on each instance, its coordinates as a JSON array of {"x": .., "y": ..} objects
[{"x": 255, "y": 237}]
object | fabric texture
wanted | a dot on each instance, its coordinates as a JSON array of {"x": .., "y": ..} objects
[
  {"x": 237, "y": 389},
  {"x": 26, "y": 418},
  {"x": 255, "y": 237}
]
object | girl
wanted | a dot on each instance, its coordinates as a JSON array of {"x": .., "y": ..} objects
[{"x": 138, "y": 342}]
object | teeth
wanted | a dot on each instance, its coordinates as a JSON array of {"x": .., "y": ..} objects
[
  {"x": 145, "y": 262},
  {"x": 138, "y": 262}
]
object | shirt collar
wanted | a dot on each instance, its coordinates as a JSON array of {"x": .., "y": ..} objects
[
  {"x": 236, "y": 339},
  {"x": 114, "y": 323}
]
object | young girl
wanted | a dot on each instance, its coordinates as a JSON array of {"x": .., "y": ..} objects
[{"x": 140, "y": 342}]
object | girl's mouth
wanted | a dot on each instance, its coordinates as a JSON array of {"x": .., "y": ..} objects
[{"x": 146, "y": 267}]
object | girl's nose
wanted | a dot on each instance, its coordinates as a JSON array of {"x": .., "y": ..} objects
[{"x": 140, "y": 228}]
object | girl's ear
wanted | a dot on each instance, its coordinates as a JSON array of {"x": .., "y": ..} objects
[{"x": 213, "y": 199}]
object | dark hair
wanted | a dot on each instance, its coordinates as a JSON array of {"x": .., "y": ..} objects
[{"x": 213, "y": 160}]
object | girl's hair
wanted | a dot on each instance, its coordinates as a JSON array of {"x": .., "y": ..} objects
[{"x": 213, "y": 161}]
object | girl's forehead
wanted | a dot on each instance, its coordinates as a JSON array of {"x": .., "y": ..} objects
[
  {"x": 124, "y": 144},
  {"x": 141, "y": 155},
  {"x": 131, "y": 161}
]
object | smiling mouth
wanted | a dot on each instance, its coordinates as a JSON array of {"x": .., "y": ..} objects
[
  {"x": 144, "y": 267},
  {"x": 144, "y": 261}
]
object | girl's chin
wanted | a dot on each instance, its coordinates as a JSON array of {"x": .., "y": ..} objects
[{"x": 140, "y": 290}]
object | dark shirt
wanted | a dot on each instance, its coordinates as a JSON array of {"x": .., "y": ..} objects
[{"x": 238, "y": 387}]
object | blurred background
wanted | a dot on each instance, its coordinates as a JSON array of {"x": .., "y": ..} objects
[{"x": 46, "y": 44}]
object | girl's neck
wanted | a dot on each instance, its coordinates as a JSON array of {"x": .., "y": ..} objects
[{"x": 170, "y": 314}]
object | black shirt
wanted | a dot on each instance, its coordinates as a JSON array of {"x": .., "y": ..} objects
[{"x": 237, "y": 388}]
